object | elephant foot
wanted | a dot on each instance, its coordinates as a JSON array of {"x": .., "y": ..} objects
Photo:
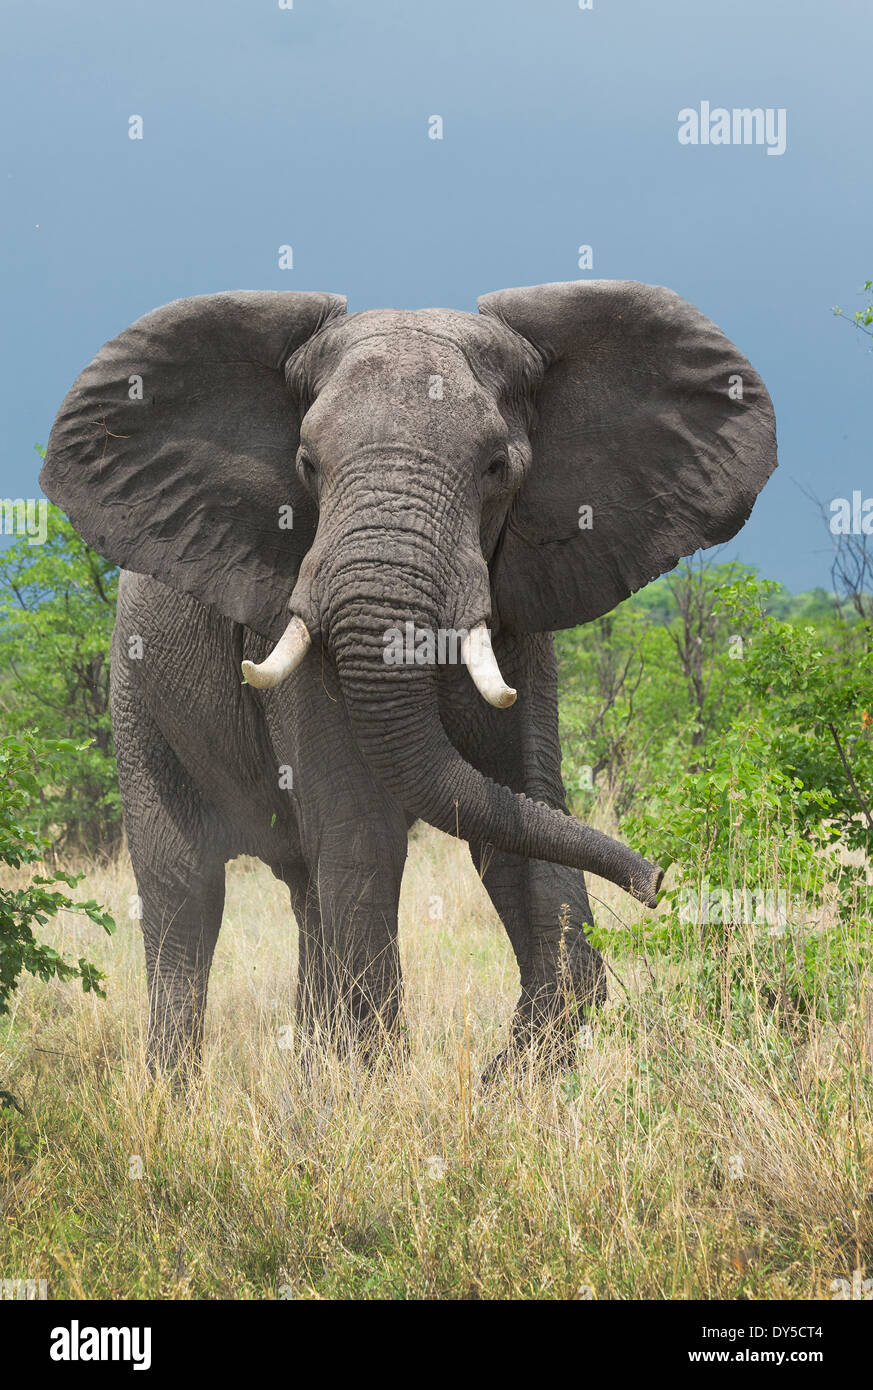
[
  {"x": 369, "y": 1043},
  {"x": 541, "y": 1058},
  {"x": 181, "y": 1072},
  {"x": 544, "y": 1043}
]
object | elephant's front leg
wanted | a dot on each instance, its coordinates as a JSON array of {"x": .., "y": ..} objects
[
  {"x": 545, "y": 909},
  {"x": 349, "y": 984},
  {"x": 180, "y": 929},
  {"x": 178, "y": 852}
]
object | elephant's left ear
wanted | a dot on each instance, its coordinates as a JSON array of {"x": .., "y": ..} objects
[
  {"x": 653, "y": 436},
  {"x": 173, "y": 454}
]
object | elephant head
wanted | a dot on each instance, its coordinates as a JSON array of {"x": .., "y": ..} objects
[{"x": 525, "y": 468}]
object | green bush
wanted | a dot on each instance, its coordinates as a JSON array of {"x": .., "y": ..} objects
[
  {"x": 753, "y": 820},
  {"x": 57, "y": 608},
  {"x": 25, "y": 761}
]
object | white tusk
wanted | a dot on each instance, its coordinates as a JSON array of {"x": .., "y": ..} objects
[
  {"x": 285, "y": 657},
  {"x": 478, "y": 656}
]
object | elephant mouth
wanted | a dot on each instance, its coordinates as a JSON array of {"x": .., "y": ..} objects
[{"x": 477, "y": 654}]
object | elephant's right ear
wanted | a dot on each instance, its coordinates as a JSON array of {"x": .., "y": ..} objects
[
  {"x": 653, "y": 436},
  {"x": 174, "y": 452}
]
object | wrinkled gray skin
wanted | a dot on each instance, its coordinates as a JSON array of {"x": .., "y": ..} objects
[{"x": 436, "y": 462}]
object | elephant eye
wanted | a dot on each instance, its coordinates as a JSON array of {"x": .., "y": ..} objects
[
  {"x": 305, "y": 467},
  {"x": 497, "y": 468}
]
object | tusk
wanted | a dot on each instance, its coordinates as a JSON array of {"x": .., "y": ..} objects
[
  {"x": 285, "y": 657},
  {"x": 478, "y": 656}
]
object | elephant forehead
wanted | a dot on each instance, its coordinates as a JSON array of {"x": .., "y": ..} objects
[
  {"x": 435, "y": 341},
  {"x": 405, "y": 367},
  {"x": 450, "y": 325},
  {"x": 403, "y": 383}
]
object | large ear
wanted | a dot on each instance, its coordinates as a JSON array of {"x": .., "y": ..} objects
[
  {"x": 175, "y": 450},
  {"x": 648, "y": 415}
]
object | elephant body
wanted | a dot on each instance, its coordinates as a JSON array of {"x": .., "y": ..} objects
[
  {"x": 281, "y": 777},
  {"x": 285, "y": 486}
]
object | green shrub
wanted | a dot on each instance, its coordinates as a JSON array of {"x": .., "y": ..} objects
[
  {"x": 25, "y": 761},
  {"x": 57, "y": 608}
]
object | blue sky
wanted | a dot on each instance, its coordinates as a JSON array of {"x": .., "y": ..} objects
[{"x": 309, "y": 127}]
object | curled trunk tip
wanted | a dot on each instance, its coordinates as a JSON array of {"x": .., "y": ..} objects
[{"x": 647, "y": 891}]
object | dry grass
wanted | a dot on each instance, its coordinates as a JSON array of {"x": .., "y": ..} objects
[{"x": 675, "y": 1162}]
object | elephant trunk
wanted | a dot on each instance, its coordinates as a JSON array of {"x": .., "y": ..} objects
[{"x": 393, "y": 710}]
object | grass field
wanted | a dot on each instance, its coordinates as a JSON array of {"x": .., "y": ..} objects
[{"x": 679, "y": 1160}]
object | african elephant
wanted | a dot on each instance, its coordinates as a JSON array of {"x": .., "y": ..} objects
[{"x": 275, "y": 475}]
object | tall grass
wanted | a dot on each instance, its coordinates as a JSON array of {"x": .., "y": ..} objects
[{"x": 680, "y": 1159}]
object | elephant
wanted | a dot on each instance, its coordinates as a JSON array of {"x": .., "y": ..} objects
[{"x": 285, "y": 487}]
